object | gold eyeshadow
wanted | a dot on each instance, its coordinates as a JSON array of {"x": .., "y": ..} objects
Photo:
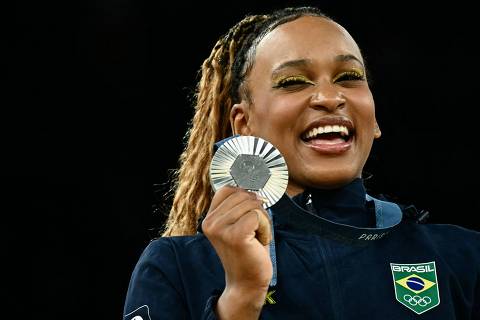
[
  {"x": 291, "y": 80},
  {"x": 356, "y": 74}
]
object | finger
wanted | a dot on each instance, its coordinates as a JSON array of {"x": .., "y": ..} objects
[
  {"x": 216, "y": 222},
  {"x": 264, "y": 232},
  {"x": 253, "y": 224},
  {"x": 239, "y": 199},
  {"x": 221, "y": 194},
  {"x": 235, "y": 213},
  {"x": 230, "y": 210},
  {"x": 229, "y": 195}
]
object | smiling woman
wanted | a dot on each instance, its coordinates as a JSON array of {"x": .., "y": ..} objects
[
  {"x": 317, "y": 89},
  {"x": 296, "y": 79}
]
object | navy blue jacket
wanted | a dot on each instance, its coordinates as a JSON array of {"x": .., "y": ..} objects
[{"x": 323, "y": 269}]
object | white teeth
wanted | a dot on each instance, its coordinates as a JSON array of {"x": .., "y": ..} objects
[{"x": 327, "y": 129}]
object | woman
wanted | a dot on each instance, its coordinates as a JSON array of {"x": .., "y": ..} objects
[{"x": 298, "y": 80}]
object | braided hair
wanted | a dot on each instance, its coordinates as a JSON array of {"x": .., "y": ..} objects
[{"x": 220, "y": 87}]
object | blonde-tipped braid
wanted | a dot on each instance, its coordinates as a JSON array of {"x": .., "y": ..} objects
[{"x": 210, "y": 123}]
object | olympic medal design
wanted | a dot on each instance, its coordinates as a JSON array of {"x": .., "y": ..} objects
[{"x": 253, "y": 164}]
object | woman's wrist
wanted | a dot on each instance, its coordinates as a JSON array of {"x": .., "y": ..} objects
[{"x": 240, "y": 303}]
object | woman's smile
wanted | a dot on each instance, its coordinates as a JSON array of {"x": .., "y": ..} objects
[{"x": 329, "y": 135}]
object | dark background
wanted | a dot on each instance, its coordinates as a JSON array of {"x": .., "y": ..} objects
[{"x": 96, "y": 102}]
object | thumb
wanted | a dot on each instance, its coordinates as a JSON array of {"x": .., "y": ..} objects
[{"x": 264, "y": 230}]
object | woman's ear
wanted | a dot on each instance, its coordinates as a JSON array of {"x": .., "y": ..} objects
[
  {"x": 239, "y": 118},
  {"x": 377, "y": 133}
]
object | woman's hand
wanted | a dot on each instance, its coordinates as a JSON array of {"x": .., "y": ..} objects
[{"x": 239, "y": 229}]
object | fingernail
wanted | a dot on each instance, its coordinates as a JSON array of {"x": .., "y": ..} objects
[{"x": 261, "y": 198}]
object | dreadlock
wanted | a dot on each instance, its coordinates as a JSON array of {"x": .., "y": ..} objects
[{"x": 220, "y": 86}]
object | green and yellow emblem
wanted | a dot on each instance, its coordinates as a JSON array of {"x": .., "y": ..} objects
[
  {"x": 269, "y": 299},
  {"x": 416, "y": 285}
]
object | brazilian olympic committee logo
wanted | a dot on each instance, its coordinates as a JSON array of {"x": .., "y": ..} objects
[{"x": 416, "y": 285}]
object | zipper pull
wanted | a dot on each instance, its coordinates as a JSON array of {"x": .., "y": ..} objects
[{"x": 309, "y": 204}]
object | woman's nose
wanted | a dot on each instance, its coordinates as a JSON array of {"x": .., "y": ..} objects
[{"x": 328, "y": 97}]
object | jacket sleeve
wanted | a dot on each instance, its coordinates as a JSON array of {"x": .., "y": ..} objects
[
  {"x": 155, "y": 289},
  {"x": 476, "y": 303},
  {"x": 476, "y": 300}
]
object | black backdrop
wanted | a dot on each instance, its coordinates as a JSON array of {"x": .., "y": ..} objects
[{"x": 95, "y": 107}]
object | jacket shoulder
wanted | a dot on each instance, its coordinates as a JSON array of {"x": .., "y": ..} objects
[
  {"x": 453, "y": 240},
  {"x": 171, "y": 248}
]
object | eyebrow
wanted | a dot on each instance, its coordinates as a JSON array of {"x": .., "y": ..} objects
[
  {"x": 299, "y": 63},
  {"x": 347, "y": 57}
]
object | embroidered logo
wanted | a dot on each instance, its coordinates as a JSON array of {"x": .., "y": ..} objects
[
  {"x": 416, "y": 285},
  {"x": 269, "y": 299},
  {"x": 142, "y": 313}
]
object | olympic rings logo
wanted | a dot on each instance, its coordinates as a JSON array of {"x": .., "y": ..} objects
[{"x": 417, "y": 300}]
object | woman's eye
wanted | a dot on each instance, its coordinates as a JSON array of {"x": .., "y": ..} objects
[
  {"x": 292, "y": 81},
  {"x": 349, "y": 76}
]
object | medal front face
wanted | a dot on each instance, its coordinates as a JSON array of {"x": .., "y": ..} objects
[{"x": 253, "y": 164}]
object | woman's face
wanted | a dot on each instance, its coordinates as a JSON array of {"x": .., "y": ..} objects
[{"x": 310, "y": 99}]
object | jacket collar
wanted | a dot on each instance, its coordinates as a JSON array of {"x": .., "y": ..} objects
[{"x": 290, "y": 216}]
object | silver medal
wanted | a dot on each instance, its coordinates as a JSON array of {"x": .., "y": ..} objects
[{"x": 253, "y": 164}]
